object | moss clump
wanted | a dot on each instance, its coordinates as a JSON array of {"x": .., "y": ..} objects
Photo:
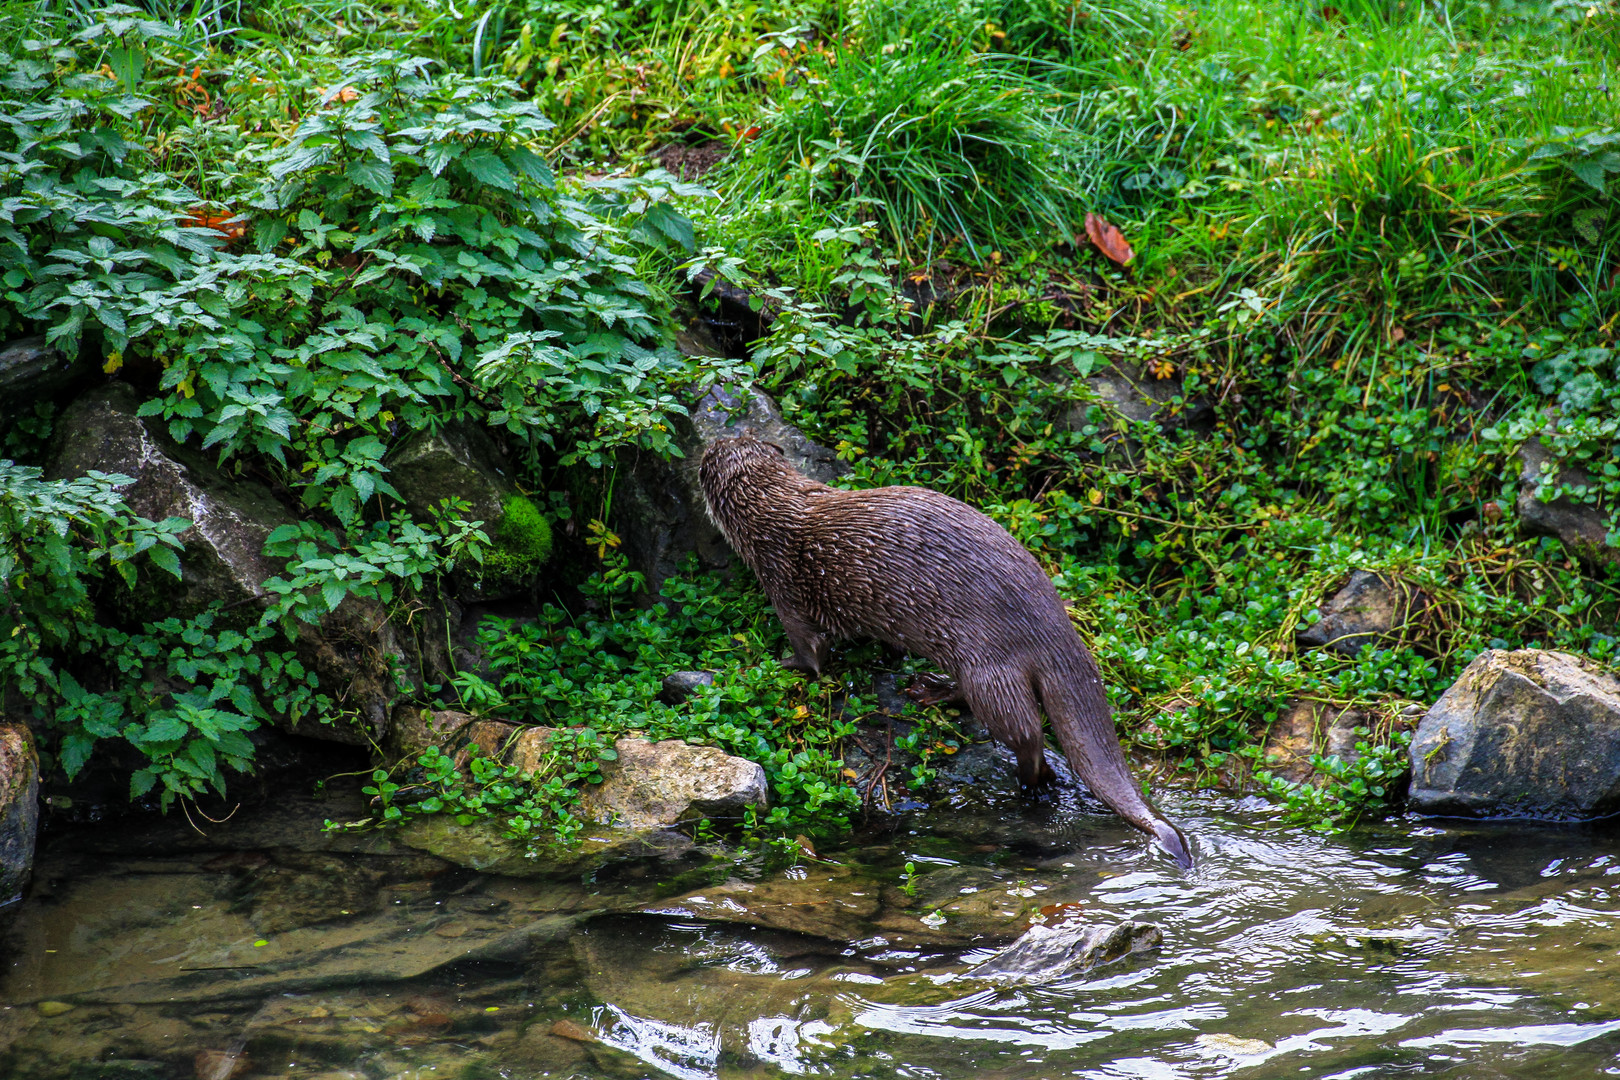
[{"x": 522, "y": 541}]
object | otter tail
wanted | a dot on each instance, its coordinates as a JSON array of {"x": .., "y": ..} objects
[{"x": 1077, "y": 706}]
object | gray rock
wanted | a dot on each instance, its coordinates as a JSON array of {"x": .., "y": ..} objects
[
  {"x": 19, "y": 808},
  {"x": 459, "y": 461},
  {"x": 727, "y": 411},
  {"x": 664, "y": 784},
  {"x": 31, "y": 370},
  {"x": 1132, "y": 393},
  {"x": 680, "y": 685},
  {"x": 1530, "y": 733},
  {"x": 1583, "y": 527},
  {"x": 1370, "y": 609},
  {"x": 355, "y": 650},
  {"x": 1046, "y": 953},
  {"x": 230, "y": 519}
]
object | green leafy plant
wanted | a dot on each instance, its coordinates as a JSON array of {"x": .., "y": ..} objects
[{"x": 182, "y": 693}]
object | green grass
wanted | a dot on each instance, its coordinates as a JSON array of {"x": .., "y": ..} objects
[{"x": 1375, "y": 243}]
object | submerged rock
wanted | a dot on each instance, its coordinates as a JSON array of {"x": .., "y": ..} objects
[
  {"x": 1046, "y": 953},
  {"x": 953, "y": 906},
  {"x": 483, "y": 846},
  {"x": 19, "y": 808},
  {"x": 658, "y": 785},
  {"x": 1370, "y": 609},
  {"x": 1530, "y": 733},
  {"x": 1583, "y": 527}
]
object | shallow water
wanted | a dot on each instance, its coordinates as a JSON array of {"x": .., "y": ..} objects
[{"x": 268, "y": 949}]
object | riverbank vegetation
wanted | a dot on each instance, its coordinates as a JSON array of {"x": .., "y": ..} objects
[{"x": 1210, "y": 306}]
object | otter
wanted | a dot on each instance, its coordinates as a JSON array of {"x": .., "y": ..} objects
[{"x": 932, "y": 576}]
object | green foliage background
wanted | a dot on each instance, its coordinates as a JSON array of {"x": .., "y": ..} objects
[{"x": 1375, "y": 255}]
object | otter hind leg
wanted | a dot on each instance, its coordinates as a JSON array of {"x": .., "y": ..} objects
[
  {"x": 1005, "y": 703},
  {"x": 810, "y": 645}
]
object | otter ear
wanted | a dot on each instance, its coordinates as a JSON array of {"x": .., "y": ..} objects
[{"x": 779, "y": 451}]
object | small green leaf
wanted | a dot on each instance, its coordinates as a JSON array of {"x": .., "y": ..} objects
[{"x": 1590, "y": 171}]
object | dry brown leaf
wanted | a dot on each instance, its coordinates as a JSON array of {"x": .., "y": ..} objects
[
  {"x": 568, "y": 1029},
  {"x": 1109, "y": 240}
]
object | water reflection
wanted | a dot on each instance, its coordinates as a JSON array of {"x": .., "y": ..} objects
[{"x": 1404, "y": 950}]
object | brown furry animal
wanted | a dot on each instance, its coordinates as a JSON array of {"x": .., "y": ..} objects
[{"x": 931, "y": 575}]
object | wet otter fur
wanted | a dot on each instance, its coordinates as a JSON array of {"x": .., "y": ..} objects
[{"x": 928, "y": 574}]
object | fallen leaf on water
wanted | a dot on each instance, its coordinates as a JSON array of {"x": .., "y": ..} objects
[
  {"x": 1108, "y": 240},
  {"x": 567, "y": 1029},
  {"x": 220, "y": 1064}
]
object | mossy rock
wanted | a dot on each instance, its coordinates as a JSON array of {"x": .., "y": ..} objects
[{"x": 520, "y": 545}]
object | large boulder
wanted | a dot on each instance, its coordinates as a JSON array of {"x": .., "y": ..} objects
[
  {"x": 459, "y": 461},
  {"x": 1530, "y": 733},
  {"x": 659, "y": 785},
  {"x": 19, "y": 808},
  {"x": 1582, "y": 526},
  {"x": 658, "y": 505},
  {"x": 1370, "y": 609},
  {"x": 356, "y": 650},
  {"x": 32, "y": 370},
  {"x": 230, "y": 519}
]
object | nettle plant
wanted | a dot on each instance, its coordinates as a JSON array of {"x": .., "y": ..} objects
[
  {"x": 182, "y": 694},
  {"x": 400, "y": 260},
  {"x": 450, "y": 279},
  {"x": 417, "y": 263}
]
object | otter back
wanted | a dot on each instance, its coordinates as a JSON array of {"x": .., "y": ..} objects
[{"x": 931, "y": 575}]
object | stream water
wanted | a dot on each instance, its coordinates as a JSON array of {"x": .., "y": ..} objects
[{"x": 270, "y": 949}]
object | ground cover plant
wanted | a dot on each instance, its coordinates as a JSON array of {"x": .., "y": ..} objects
[{"x": 1372, "y": 255}]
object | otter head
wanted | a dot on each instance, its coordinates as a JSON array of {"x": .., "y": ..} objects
[
  {"x": 740, "y": 460},
  {"x": 747, "y": 482}
]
